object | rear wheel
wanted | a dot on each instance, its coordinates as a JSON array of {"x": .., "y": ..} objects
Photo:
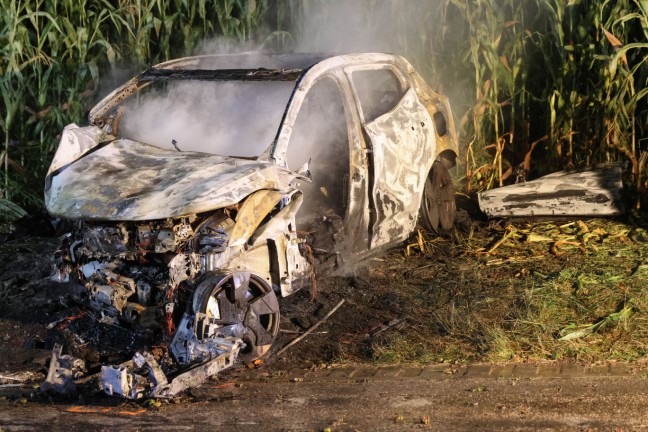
[{"x": 438, "y": 208}]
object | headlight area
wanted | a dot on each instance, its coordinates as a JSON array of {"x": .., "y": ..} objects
[{"x": 131, "y": 270}]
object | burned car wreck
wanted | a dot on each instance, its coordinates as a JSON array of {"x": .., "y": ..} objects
[{"x": 195, "y": 210}]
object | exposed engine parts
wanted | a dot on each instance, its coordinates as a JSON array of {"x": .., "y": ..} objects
[{"x": 177, "y": 282}]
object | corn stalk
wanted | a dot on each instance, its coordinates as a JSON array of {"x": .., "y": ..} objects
[{"x": 57, "y": 57}]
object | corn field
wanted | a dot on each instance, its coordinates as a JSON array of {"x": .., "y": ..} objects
[
  {"x": 56, "y": 54},
  {"x": 538, "y": 85},
  {"x": 561, "y": 84},
  {"x": 541, "y": 85}
]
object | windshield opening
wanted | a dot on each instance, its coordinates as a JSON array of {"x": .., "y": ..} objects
[{"x": 230, "y": 118}]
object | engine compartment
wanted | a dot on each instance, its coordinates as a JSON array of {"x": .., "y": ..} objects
[{"x": 197, "y": 289}]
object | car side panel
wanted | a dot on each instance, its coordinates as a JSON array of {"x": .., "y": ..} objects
[{"x": 403, "y": 149}]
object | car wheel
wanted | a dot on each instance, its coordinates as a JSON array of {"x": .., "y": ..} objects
[
  {"x": 243, "y": 305},
  {"x": 438, "y": 206}
]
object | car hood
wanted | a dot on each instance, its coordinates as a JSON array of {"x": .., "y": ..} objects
[{"x": 129, "y": 180}]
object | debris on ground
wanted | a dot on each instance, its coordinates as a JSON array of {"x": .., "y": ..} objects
[
  {"x": 587, "y": 192},
  {"x": 456, "y": 299},
  {"x": 63, "y": 370},
  {"x": 311, "y": 329}
]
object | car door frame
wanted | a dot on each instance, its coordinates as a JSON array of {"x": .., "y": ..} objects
[
  {"x": 408, "y": 217},
  {"x": 356, "y": 218}
]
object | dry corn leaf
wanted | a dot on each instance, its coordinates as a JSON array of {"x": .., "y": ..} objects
[
  {"x": 527, "y": 157},
  {"x": 534, "y": 238},
  {"x": 588, "y": 236},
  {"x": 510, "y": 231},
  {"x": 556, "y": 248},
  {"x": 583, "y": 228},
  {"x": 621, "y": 235},
  {"x": 486, "y": 87},
  {"x": 507, "y": 174},
  {"x": 420, "y": 244},
  {"x": 505, "y": 63},
  {"x": 616, "y": 43}
]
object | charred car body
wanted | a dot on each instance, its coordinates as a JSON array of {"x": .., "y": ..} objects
[{"x": 193, "y": 243}]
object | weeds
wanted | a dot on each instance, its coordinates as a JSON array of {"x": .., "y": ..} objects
[{"x": 533, "y": 297}]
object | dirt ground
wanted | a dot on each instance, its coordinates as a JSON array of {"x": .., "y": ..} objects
[
  {"x": 278, "y": 403},
  {"x": 494, "y": 292}
]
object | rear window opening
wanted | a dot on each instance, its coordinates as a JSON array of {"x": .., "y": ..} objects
[{"x": 440, "y": 124}]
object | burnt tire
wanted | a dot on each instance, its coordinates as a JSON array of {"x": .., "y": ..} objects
[
  {"x": 438, "y": 207},
  {"x": 245, "y": 306}
]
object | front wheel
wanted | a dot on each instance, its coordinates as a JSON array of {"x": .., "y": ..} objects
[
  {"x": 438, "y": 208},
  {"x": 242, "y": 305}
]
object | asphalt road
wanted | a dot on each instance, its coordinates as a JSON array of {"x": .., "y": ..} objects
[{"x": 368, "y": 399}]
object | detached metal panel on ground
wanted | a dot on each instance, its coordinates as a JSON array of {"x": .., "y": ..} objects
[{"x": 592, "y": 191}]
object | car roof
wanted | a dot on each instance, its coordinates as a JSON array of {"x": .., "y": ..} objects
[
  {"x": 249, "y": 66},
  {"x": 247, "y": 60}
]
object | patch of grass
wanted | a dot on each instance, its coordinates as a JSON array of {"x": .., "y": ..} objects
[
  {"x": 532, "y": 297},
  {"x": 399, "y": 349}
]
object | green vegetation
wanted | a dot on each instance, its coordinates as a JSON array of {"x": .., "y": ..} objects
[
  {"x": 55, "y": 54},
  {"x": 550, "y": 84},
  {"x": 545, "y": 292},
  {"x": 542, "y": 84}
]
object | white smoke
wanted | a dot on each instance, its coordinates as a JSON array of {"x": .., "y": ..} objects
[
  {"x": 242, "y": 118},
  {"x": 232, "y": 118}
]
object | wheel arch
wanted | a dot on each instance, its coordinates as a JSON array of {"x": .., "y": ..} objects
[{"x": 447, "y": 157}]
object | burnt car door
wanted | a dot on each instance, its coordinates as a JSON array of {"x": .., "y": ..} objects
[{"x": 399, "y": 139}]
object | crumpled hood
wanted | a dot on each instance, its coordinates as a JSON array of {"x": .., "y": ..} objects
[{"x": 128, "y": 180}]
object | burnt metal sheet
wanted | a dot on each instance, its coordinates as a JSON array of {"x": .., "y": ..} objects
[
  {"x": 155, "y": 74},
  {"x": 593, "y": 191},
  {"x": 123, "y": 380},
  {"x": 63, "y": 370},
  {"x": 403, "y": 150},
  {"x": 143, "y": 182},
  {"x": 211, "y": 62},
  {"x": 75, "y": 142},
  {"x": 252, "y": 212}
]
